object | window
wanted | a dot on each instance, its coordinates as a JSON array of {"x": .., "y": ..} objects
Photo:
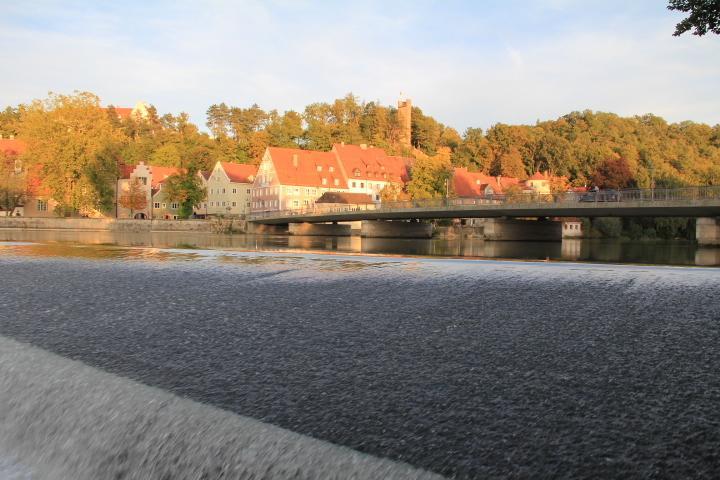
[
  {"x": 324, "y": 181},
  {"x": 248, "y": 204},
  {"x": 356, "y": 172},
  {"x": 174, "y": 206},
  {"x": 295, "y": 203},
  {"x": 157, "y": 205},
  {"x": 331, "y": 169},
  {"x": 42, "y": 205},
  {"x": 248, "y": 190},
  {"x": 354, "y": 184},
  {"x": 223, "y": 190},
  {"x": 223, "y": 204},
  {"x": 234, "y": 204},
  {"x": 377, "y": 197},
  {"x": 362, "y": 184},
  {"x": 319, "y": 168},
  {"x": 143, "y": 180},
  {"x": 337, "y": 182},
  {"x": 212, "y": 204},
  {"x": 164, "y": 205}
]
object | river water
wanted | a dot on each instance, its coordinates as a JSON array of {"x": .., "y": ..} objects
[
  {"x": 613, "y": 251},
  {"x": 137, "y": 362}
]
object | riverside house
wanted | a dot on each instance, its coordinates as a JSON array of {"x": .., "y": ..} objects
[
  {"x": 229, "y": 187},
  {"x": 150, "y": 178}
]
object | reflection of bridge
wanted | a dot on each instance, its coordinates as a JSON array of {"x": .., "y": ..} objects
[{"x": 680, "y": 202}]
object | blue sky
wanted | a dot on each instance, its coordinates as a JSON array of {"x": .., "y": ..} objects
[{"x": 471, "y": 63}]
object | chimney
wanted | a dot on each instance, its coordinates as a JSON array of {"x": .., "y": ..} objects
[
  {"x": 363, "y": 146},
  {"x": 295, "y": 160}
]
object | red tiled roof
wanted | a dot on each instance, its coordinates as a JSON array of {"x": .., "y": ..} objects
[
  {"x": 473, "y": 184},
  {"x": 12, "y": 146},
  {"x": 345, "y": 197},
  {"x": 239, "y": 172},
  {"x": 539, "y": 176},
  {"x": 122, "y": 112},
  {"x": 300, "y": 167},
  {"x": 159, "y": 174},
  {"x": 371, "y": 163},
  {"x": 35, "y": 185}
]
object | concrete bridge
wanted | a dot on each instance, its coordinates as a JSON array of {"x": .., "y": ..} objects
[{"x": 397, "y": 218}]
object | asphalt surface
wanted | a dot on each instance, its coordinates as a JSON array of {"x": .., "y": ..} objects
[{"x": 467, "y": 369}]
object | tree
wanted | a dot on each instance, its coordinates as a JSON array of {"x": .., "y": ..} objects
[
  {"x": 704, "y": 16},
  {"x": 613, "y": 173},
  {"x": 135, "y": 198},
  {"x": 430, "y": 176},
  {"x": 12, "y": 183},
  {"x": 393, "y": 192},
  {"x": 64, "y": 135},
  {"x": 186, "y": 189}
]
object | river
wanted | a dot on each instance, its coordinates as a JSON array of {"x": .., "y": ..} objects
[
  {"x": 612, "y": 251},
  {"x": 138, "y": 362}
]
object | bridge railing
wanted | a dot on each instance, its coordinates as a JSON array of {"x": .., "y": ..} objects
[{"x": 604, "y": 198}]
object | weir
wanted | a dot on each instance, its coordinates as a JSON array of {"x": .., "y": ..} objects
[{"x": 63, "y": 419}]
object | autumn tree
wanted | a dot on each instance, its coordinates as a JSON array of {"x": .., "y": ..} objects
[
  {"x": 135, "y": 198},
  {"x": 64, "y": 134},
  {"x": 186, "y": 189},
  {"x": 613, "y": 173},
  {"x": 430, "y": 176},
  {"x": 12, "y": 183},
  {"x": 393, "y": 192},
  {"x": 704, "y": 16}
]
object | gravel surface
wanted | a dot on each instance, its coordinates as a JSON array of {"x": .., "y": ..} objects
[{"x": 468, "y": 369}]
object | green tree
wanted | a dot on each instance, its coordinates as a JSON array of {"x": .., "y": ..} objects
[
  {"x": 430, "y": 176},
  {"x": 704, "y": 16},
  {"x": 187, "y": 190},
  {"x": 65, "y": 134}
]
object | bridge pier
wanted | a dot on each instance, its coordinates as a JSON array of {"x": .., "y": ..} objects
[
  {"x": 319, "y": 229},
  {"x": 707, "y": 231},
  {"x": 261, "y": 229},
  {"x": 395, "y": 229},
  {"x": 528, "y": 230}
]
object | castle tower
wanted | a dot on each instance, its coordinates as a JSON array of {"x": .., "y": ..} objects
[{"x": 404, "y": 118}]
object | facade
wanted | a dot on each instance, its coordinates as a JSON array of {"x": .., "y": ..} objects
[
  {"x": 369, "y": 170},
  {"x": 572, "y": 228},
  {"x": 477, "y": 184},
  {"x": 292, "y": 179},
  {"x": 37, "y": 201},
  {"x": 229, "y": 188},
  {"x": 150, "y": 178}
]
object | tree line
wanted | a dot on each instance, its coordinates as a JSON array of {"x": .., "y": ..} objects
[{"x": 79, "y": 145}]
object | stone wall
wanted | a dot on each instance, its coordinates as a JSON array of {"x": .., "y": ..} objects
[
  {"x": 707, "y": 231},
  {"x": 121, "y": 225}
]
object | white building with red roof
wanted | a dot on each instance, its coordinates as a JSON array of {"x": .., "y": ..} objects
[
  {"x": 150, "y": 178},
  {"x": 369, "y": 169}
]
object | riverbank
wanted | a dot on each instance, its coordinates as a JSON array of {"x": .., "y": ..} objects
[{"x": 122, "y": 225}]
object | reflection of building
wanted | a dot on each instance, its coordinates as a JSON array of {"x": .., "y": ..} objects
[{"x": 228, "y": 189}]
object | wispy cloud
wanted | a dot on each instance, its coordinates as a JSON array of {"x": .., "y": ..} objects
[{"x": 466, "y": 65}]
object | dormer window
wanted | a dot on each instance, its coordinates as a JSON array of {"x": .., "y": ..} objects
[
  {"x": 337, "y": 182},
  {"x": 319, "y": 168},
  {"x": 324, "y": 181},
  {"x": 477, "y": 182},
  {"x": 356, "y": 172},
  {"x": 331, "y": 169}
]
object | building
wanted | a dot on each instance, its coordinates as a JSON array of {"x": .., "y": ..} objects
[
  {"x": 369, "y": 169},
  {"x": 139, "y": 112},
  {"x": 148, "y": 180},
  {"x": 37, "y": 200},
  {"x": 477, "y": 184},
  {"x": 229, "y": 188},
  {"x": 342, "y": 199},
  {"x": 404, "y": 114},
  {"x": 291, "y": 179}
]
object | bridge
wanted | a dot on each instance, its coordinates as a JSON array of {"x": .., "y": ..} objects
[{"x": 699, "y": 202}]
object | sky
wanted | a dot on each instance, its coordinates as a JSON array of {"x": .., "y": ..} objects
[{"x": 468, "y": 64}]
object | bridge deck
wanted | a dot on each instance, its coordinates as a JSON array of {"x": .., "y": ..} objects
[{"x": 686, "y": 202}]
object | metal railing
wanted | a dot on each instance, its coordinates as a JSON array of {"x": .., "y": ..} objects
[{"x": 687, "y": 196}]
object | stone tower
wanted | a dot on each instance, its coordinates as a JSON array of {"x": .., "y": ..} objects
[{"x": 404, "y": 119}]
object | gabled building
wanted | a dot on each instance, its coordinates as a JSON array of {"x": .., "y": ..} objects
[
  {"x": 291, "y": 178},
  {"x": 150, "y": 178},
  {"x": 37, "y": 201},
  {"x": 477, "y": 184},
  {"x": 369, "y": 169},
  {"x": 229, "y": 188},
  {"x": 138, "y": 112}
]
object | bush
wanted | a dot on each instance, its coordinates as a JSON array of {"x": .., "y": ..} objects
[{"x": 609, "y": 227}]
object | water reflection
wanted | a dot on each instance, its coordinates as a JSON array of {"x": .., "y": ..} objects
[{"x": 667, "y": 253}]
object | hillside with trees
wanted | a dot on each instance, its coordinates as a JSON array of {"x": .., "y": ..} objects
[{"x": 79, "y": 144}]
